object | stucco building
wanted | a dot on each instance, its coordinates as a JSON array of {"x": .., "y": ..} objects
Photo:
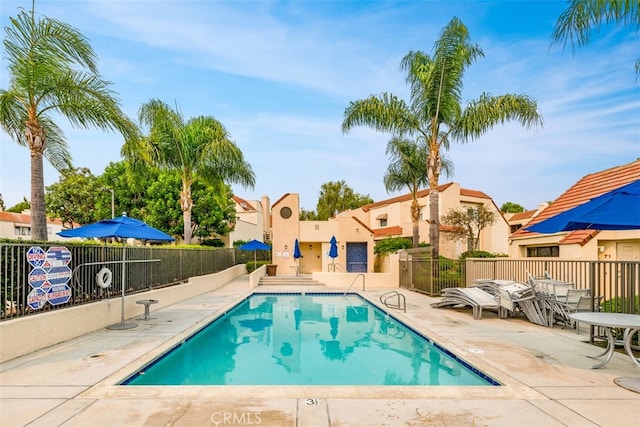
[
  {"x": 358, "y": 230},
  {"x": 583, "y": 244},
  {"x": 18, "y": 226}
]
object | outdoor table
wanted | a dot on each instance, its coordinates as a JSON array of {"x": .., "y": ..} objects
[
  {"x": 629, "y": 322},
  {"x": 147, "y": 303}
]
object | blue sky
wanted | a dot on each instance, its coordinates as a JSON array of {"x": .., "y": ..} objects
[{"x": 279, "y": 74}]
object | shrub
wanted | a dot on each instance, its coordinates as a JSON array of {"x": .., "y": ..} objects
[
  {"x": 391, "y": 245},
  {"x": 253, "y": 266},
  {"x": 477, "y": 254}
]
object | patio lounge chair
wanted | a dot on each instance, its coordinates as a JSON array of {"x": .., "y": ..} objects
[{"x": 475, "y": 298}]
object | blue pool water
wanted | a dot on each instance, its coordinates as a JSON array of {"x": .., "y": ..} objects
[{"x": 310, "y": 339}]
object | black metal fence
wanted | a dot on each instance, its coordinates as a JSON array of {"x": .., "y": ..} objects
[
  {"x": 37, "y": 278},
  {"x": 618, "y": 282}
]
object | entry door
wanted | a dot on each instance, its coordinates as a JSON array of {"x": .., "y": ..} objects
[{"x": 356, "y": 257}]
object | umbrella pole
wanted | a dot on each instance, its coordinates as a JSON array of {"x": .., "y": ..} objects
[{"x": 122, "y": 325}]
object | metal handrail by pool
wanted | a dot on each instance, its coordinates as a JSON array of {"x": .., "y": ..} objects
[
  {"x": 400, "y": 305},
  {"x": 354, "y": 281}
]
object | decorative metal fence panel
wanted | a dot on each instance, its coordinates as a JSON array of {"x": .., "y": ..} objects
[
  {"x": 37, "y": 278},
  {"x": 419, "y": 273}
]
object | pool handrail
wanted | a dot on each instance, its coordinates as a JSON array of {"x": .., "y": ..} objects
[
  {"x": 400, "y": 305},
  {"x": 354, "y": 281}
]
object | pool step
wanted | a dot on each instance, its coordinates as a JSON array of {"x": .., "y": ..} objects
[{"x": 302, "y": 280}]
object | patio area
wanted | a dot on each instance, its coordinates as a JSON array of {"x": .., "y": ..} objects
[{"x": 547, "y": 378}]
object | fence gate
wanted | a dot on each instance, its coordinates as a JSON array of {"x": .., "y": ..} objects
[{"x": 415, "y": 266}]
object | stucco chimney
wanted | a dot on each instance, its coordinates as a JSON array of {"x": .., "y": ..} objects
[{"x": 266, "y": 215}]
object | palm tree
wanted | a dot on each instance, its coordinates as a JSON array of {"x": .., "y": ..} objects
[
  {"x": 199, "y": 147},
  {"x": 408, "y": 169},
  {"x": 52, "y": 71},
  {"x": 583, "y": 16},
  {"x": 435, "y": 113}
]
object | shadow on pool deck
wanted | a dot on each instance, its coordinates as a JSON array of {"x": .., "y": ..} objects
[{"x": 546, "y": 375}]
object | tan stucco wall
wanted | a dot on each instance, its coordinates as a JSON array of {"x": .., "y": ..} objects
[
  {"x": 57, "y": 326},
  {"x": 314, "y": 237},
  {"x": 609, "y": 241},
  {"x": 389, "y": 279}
]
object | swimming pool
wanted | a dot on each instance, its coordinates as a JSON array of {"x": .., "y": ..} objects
[{"x": 307, "y": 339}]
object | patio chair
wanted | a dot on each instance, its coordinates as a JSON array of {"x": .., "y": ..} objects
[
  {"x": 585, "y": 304},
  {"x": 510, "y": 294},
  {"x": 573, "y": 296},
  {"x": 475, "y": 298}
]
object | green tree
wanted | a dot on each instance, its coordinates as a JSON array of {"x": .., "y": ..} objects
[
  {"x": 130, "y": 188},
  {"x": 583, "y": 17},
  {"x": 53, "y": 72},
  {"x": 336, "y": 197},
  {"x": 435, "y": 112},
  {"x": 509, "y": 207},
  {"x": 213, "y": 208},
  {"x": 20, "y": 206},
  {"x": 467, "y": 223},
  {"x": 306, "y": 215},
  {"x": 2, "y": 206},
  {"x": 200, "y": 147},
  {"x": 408, "y": 169},
  {"x": 73, "y": 197}
]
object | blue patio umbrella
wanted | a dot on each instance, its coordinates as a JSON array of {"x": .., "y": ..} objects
[
  {"x": 119, "y": 227},
  {"x": 333, "y": 251},
  {"x": 616, "y": 210},
  {"x": 255, "y": 245},
  {"x": 124, "y": 228},
  {"x": 297, "y": 255},
  {"x": 296, "y": 250}
]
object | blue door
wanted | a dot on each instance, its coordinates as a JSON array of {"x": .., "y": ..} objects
[{"x": 357, "y": 257}]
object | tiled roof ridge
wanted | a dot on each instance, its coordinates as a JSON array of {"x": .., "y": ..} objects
[{"x": 424, "y": 193}]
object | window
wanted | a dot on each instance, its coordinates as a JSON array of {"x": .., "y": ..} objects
[
  {"x": 516, "y": 227},
  {"x": 543, "y": 251},
  {"x": 22, "y": 231},
  {"x": 383, "y": 222},
  {"x": 285, "y": 212}
]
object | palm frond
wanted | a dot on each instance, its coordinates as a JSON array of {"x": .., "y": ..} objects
[
  {"x": 386, "y": 113},
  {"x": 487, "y": 111}
]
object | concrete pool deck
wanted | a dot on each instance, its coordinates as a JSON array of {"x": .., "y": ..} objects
[{"x": 546, "y": 377}]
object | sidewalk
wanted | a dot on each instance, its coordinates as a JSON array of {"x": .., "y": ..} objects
[{"x": 547, "y": 378}]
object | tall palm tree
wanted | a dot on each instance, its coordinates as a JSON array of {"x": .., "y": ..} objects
[
  {"x": 584, "y": 16},
  {"x": 200, "y": 146},
  {"x": 408, "y": 169},
  {"x": 435, "y": 112},
  {"x": 52, "y": 71}
]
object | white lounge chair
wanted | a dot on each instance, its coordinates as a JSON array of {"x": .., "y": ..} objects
[{"x": 475, "y": 298}]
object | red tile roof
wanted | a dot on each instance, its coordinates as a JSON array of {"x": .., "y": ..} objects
[
  {"x": 587, "y": 188},
  {"x": 522, "y": 215},
  {"x": 21, "y": 218},
  {"x": 421, "y": 194},
  {"x": 245, "y": 205},
  {"x": 396, "y": 230}
]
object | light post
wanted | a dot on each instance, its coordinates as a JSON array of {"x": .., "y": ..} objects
[{"x": 113, "y": 207}]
